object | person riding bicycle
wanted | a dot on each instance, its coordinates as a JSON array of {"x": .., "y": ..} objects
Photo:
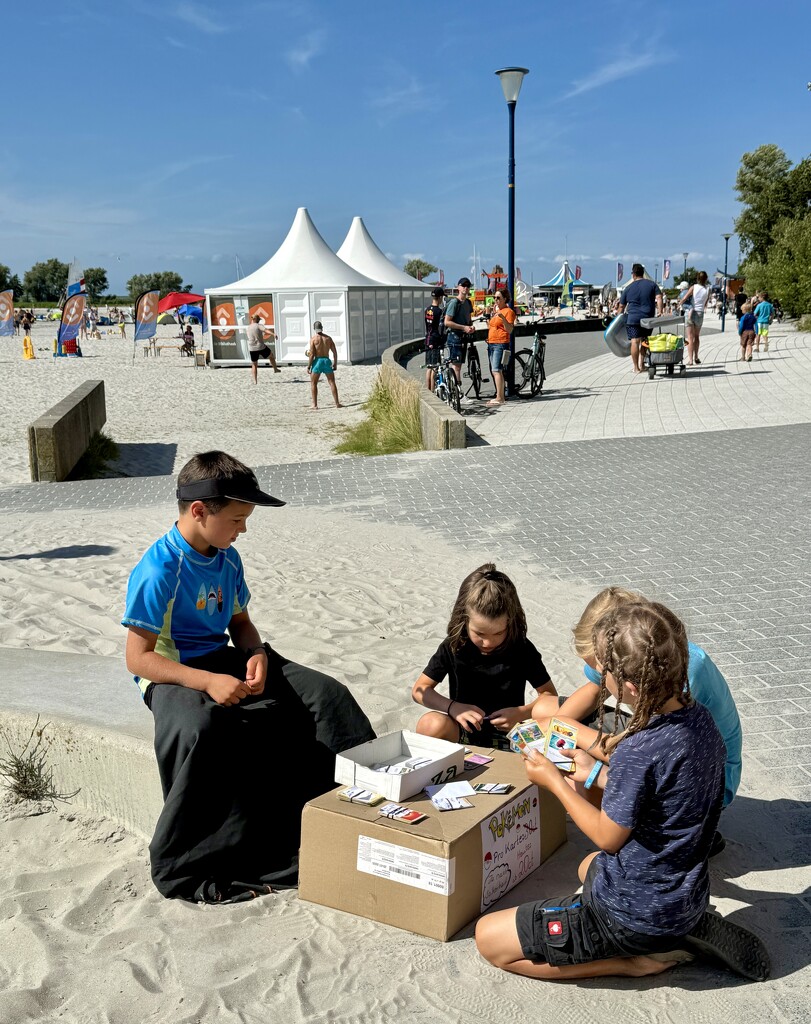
[
  {"x": 458, "y": 317},
  {"x": 434, "y": 336}
]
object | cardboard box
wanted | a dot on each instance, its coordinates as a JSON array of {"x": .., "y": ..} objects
[
  {"x": 435, "y": 877},
  {"x": 353, "y": 766}
]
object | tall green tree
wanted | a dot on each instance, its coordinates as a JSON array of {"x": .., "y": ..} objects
[
  {"x": 9, "y": 280},
  {"x": 785, "y": 274},
  {"x": 46, "y": 281},
  {"x": 95, "y": 281},
  {"x": 763, "y": 185},
  {"x": 164, "y": 281},
  {"x": 419, "y": 269}
]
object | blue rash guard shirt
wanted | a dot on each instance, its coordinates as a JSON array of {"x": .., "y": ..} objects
[
  {"x": 708, "y": 687},
  {"x": 186, "y": 598}
]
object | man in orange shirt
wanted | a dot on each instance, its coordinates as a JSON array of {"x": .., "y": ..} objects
[{"x": 501, "y": 327}]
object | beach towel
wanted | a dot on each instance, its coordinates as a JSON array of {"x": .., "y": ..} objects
[{"x": 235, "y": 779}]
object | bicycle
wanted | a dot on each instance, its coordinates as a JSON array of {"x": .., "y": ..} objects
[
  {"x": 474, "y": 370},
  {"x": 529, "y": 370},
  {"x": 446, "y": 386}
]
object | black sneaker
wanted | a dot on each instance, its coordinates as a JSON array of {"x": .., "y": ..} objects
[
  {"x": 717, "y": 845},
  {"x": 738, "y": 948}
]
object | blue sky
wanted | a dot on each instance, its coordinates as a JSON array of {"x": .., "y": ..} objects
[{"x": 176, "y": 134}]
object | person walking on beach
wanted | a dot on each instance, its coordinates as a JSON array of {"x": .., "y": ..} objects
[
  {"x": 639, "y": 300},
  {"x": 322, "y": 347},
  {"x": 458, "y": 317},
  {"x": 258, "y": 348}
]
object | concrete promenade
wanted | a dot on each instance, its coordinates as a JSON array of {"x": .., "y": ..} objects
[{"x": 694, "y": 491}]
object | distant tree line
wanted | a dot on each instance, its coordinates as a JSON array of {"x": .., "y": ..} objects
[
  {"x": 47, "y": 281},
  {"x": 775, "y": 226}
]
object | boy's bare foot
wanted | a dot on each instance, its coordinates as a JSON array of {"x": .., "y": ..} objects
[
  {"x": 313, "y": 408},
  {"x": 276, "y": 369},
  {"x": 338, "y": 405},
  {"x": 642, "y": 966}
]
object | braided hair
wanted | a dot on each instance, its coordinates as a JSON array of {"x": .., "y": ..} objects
[
  {"x": 644, "y": 644},
  {"x": 491, "y": 594}
]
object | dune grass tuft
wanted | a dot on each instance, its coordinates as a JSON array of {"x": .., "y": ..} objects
[
  {"x": 27, "y": 772},
  {"x": 393, "y": 423},
  {"x": 95, "y": 463}
]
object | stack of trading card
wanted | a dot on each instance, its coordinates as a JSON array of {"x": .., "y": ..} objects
[
  {"x": 526, "y": 734},
  {"x": 560, "y": 738},
  {"x": 404, "y": 814},
  {"x": 356, "y": 795}
]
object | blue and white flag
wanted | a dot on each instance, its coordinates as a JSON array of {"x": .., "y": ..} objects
[{"x": 146, "y": 315}]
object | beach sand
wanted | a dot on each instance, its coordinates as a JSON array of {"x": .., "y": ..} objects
[
  {"x": 162, "y": 410},
  {"x": 84, "y": 936}
]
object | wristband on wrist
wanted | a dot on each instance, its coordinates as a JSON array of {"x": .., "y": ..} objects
[
  {"x": 255, "y": 650},
  {"x": 595, "y": 771},
  {"x": 448, "y": 710}
]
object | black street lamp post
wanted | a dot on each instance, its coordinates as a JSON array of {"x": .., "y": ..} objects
[
  {"x": 724, "y": 290},
  {"x": 511, "y": 79},
  {"x": 685, "y": 255}
]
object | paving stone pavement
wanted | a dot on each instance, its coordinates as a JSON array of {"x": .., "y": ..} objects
[{"x": 714, "y": 524}]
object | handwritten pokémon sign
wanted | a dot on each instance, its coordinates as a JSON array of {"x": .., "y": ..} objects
[{"x": 511, "y": 845}]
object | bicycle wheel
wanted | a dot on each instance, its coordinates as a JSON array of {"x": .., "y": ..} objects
[
  {"x": 536, "y": 373},
  {"x": 523, "y": 366},
  {"x": 474, "y": 371},
  {"x": 454, "y": 392},
  {"x": 441, "y": 389}
]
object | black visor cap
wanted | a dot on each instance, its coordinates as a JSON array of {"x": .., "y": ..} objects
[{"x": 237, "y": 488}]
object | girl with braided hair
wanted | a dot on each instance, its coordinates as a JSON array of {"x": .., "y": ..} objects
[
  {"x": 647, "y": 888},
  {"x": 490, "y": 661}
]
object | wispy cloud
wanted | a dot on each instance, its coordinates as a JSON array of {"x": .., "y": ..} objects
[
  {"x": 309, "y": 46},
  {"x": 198, "y": 18},
  {"x": 406, "y": 256},
  {"x": 408, "y": 97},
  {"x": 177, "y": 43},
  {"x": 573, "y": 256},
  {"x": 623, "y": 66}
]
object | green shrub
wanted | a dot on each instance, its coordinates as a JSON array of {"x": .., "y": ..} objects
[
  {"x": 393, "y": 423},
  {"x": 805, "y": 323}
]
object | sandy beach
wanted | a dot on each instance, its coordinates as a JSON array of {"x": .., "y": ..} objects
[
  {"x": 162, "y": 410},
  {"x": 84, "y": 936}
]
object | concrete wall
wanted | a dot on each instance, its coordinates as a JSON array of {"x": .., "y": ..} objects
[
  {"x": 441, "y": 426},
  {"x": 116, "y": 775},
  {"x": 59, "y": 438}
]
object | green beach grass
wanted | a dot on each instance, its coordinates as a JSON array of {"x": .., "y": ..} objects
[{"x": 393, "y": 421}]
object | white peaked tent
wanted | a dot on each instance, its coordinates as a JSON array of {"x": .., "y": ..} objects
[
  {"x": 306, "y": 281},
  {"x": 359, "y": 251}
]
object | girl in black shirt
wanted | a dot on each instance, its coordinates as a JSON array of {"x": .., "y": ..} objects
[{"x": 489, "y": 662}]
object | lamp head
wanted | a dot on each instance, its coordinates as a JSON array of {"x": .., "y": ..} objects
[{"x": 511, "y": 79}]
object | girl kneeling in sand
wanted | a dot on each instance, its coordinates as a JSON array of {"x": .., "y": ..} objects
[
  {"x": 489, "y": 661},
  {"x": 648, "y": 888}
]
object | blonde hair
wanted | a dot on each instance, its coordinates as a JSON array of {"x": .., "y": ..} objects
[
  {"x": 746, "y": 307},
  {"x": 644, "y": 644},
  {"x": 607, "y": 601},
  {"x": 491, "y": 594}
]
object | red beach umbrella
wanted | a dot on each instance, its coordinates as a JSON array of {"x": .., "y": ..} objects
[{"x": 175, "y": 299}]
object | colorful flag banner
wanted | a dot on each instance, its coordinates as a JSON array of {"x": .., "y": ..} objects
[
  {"x": 75, "y": 280},
  {"x": 566, "y": 294},
  {"x": 666, "y": 270},
  {"x": 146, "y": 315},
  {"x": 578, "y": 273},
  {"x": 204, "y": 325},
  {"x": 72, "y": 316},
  {"x": 6, "y": 314},
  {"x": 620, "y": 272}
]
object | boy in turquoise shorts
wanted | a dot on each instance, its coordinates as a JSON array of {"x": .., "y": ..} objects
[
  {"x": 764, "y": 312},
  {"x": 243, "y": 736}
]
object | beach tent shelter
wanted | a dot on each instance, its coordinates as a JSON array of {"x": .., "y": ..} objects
[
  {"x": 302, "y": 282},
  {"x": 407, "y": 297},
  {"x": 563, "y": 276},
  {"x": 166, "y": 318}
]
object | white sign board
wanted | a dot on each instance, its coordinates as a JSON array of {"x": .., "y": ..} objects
[{"x": 511, "y": 845}]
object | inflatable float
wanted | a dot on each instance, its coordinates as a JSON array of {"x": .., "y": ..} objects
[{"x": 616, "y": 337}]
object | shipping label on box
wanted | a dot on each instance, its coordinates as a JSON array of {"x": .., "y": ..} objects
[
  {"x": 399, "y": 864},
  {"x": 511, "y": 845}
]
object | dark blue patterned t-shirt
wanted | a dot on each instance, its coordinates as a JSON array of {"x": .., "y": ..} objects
[{"x": 666, "y": 783}]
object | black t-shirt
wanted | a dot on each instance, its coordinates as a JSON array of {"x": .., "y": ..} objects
[
  {"x": 490, "y": 681},
  {"x": 434, "y": 316}
]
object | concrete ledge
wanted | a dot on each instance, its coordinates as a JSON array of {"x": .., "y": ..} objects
[
  {"x": 116, "y": 774},
  {"x": 441, "y": 427},
  {"x": 59, "y": 438}
]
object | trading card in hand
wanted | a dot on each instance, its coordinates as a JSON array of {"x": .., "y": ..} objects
[
  {"x": 524, "y": 734},
  {"x": 404, "y": 814},
  {"x": 561, "y": 737},
  {"x": 495, "y": 788},
  {"x": 356, "y": 795}
]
